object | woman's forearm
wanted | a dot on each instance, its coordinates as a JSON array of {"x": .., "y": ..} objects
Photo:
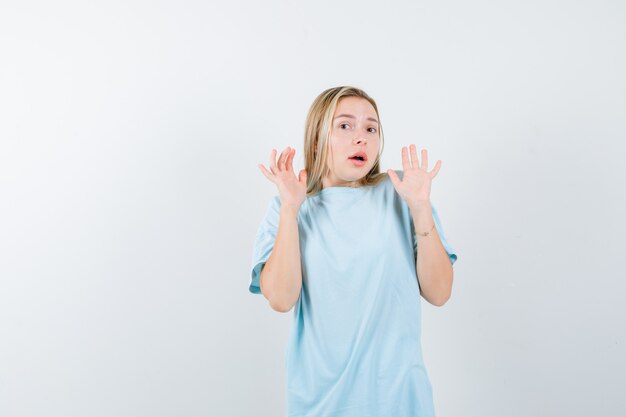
[
  {"x": 433, "y": 266},
  {"x": 281, "y": 276}
]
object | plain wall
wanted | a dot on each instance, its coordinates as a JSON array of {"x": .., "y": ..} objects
[{"x": 130, "y": 134}]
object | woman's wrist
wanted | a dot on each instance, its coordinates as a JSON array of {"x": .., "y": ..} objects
[
  {"x": 420, "y": 207},
  {"x": 289, "y": 210}
]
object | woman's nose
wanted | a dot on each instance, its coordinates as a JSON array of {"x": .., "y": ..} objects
[{"x": 360, "y": 140}]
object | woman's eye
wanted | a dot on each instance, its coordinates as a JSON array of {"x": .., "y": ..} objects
[{"x": 371, "y": 129}]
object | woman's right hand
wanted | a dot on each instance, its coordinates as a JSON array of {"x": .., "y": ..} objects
[{"x": 292, "y": 190}]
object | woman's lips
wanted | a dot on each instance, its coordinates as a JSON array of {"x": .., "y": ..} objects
[
  {"x": 358, "y": 162},
  {"x": 360, "y": 154}
]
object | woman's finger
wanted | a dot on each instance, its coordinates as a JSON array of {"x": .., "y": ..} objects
[
  {"x": 279, "y": 163},
  {"x": 395, "y": 180},
  {"x": 414, "y": 160},
  {"x": 406, "y": 165},
  {"x": 435, "y": 170},
  {"x": 424, "y": 164},
  {"x": 273, "y": 167},
  {"x": 283, "y": 156},
  {"x": 290, "y": 160},
  {"x": 267, "y": 174}
]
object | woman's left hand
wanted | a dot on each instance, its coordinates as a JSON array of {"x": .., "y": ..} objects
[{"x": 415, "y": 185}]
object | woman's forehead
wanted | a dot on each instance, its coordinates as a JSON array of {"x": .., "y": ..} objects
[{"x": 355, "y": 107}]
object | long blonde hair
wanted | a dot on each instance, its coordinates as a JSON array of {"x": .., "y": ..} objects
[{"x": 317, "y": 138}]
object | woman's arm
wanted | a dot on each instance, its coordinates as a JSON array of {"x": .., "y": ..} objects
[
  {"x": 281, "y": 276},
  {"x": 433, "y": 266}
]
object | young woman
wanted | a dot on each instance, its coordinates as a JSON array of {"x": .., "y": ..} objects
[{"x": 352, "y": 249}]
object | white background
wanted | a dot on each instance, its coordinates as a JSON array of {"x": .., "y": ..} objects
[{"x": 130, "y": 134}]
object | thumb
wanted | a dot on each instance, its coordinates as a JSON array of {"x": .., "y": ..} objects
[
  {"x": 302, "y": 176},
  {"x": 394, "y": 178}
]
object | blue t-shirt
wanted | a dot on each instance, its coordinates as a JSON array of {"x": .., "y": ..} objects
[{"x": 354, "y": 347}]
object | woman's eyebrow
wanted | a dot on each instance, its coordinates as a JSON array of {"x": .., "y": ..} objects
[{"x": 352, "y": 117}]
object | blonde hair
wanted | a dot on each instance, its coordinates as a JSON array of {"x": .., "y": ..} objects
[{"x": 317, "y": 138}]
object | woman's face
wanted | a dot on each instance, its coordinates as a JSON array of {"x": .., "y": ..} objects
[{"x": 354, "y": 131}]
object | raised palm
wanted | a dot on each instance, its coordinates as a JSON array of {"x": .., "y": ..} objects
[
  {"x": 292, "y": 190},
  {"x": 415, "y": 185}
]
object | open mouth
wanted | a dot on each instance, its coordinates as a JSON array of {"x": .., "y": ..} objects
[
  {"x": 359, "y": 156},
  {"x": 359, "y": 159}
]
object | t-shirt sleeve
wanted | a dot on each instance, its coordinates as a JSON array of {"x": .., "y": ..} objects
[
  {"x": 449, "y": 249},
  {"x": 264, "y": 242}
]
